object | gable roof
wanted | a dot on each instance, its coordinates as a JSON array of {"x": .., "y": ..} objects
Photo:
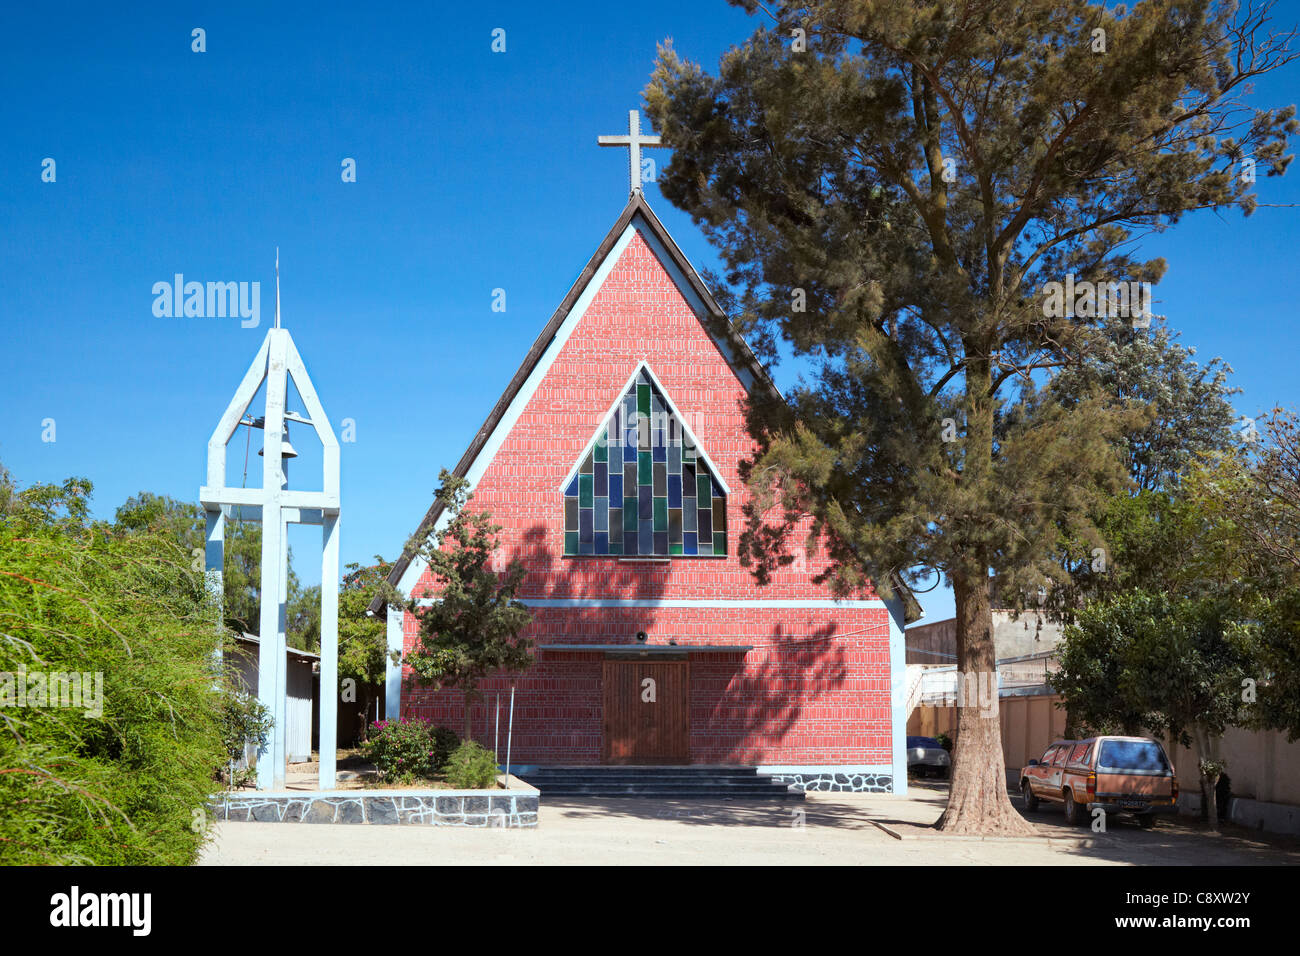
[{"x": 729, "y": 341}]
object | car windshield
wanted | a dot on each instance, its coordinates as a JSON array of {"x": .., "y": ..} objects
[
  {"x": 923, "y": 742},
  {"x": 1132, "y": 755}
]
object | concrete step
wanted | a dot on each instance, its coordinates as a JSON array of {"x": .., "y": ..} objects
[{"x": 728, "y": 783}]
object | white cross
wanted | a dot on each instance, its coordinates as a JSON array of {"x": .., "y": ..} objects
[{"x": 633, "y": 141}]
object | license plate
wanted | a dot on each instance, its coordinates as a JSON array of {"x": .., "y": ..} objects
[{"x": 1132, "y": 805}]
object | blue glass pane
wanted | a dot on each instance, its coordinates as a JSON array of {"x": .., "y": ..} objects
[
  {"x": 602, "y": 542},
  {"x": 572, "y": 490},
  {"x": 616, "y": 487},
  {"x": 602, "y": 514},
  {"x": 602, "y": 479},
  {"x": 646, "y": 503},
  {"x": 689, "y": 545},
  {"x": 585, "y": 524},
  {"x": 674, "y": 491}
]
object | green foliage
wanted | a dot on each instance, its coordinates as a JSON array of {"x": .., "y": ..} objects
[
  {"x": 402, "y": 750},
  {"x": 470, "y": 767},
  {"x": 473, "y": 628},
  {"x": 363, "y": 641},
  {"x": 242, "y": 575},
  {"x": 244, "y": 720},
  {"x": 1258, "y": 495},
  {"x": 1188, "y": 414},
  {"x": 127, "y": 786},
  {"x": 913, "y": 181},
  {"x": 445, "y": 742},
  {"x": 1145, "y": 661},
  {"x": 893, "y": 203}
]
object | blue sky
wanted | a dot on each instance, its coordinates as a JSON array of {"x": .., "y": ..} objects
[{"x": 475, "y": 171}]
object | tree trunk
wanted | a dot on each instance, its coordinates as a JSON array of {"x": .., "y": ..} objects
[
  {"x": 1207, "y": 766},
  {"x": 978, "y": 802}
]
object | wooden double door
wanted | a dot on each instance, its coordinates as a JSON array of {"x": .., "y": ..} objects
[{"x": 647, "y": 712}]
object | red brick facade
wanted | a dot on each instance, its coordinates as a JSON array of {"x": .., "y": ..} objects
[{"x": 814, "y": 690}]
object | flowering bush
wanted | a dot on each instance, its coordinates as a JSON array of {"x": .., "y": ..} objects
[{"x": 402, "y": 749}]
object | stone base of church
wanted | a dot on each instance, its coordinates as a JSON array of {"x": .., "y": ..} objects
[
  {"x": 439, "y": 808},
  {"x": 833, "y": 779}
]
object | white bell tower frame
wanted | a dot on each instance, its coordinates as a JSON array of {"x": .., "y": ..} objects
[{"x": 275, "y": 506}]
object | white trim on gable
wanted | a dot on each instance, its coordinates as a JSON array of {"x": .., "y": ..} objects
[
  {"x": 672, "y": 407},
  {"x": 415, "y": 570}
]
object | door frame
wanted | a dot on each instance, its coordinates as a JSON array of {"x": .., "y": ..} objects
[{"x": 606, "y": 741}]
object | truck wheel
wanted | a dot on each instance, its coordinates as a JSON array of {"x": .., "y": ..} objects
[
  {"x": 1072, "y": 814},
  {"x": 1031, "y": 801}
]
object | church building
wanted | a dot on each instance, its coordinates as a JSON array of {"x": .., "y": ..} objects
[{"x": 612, "y": 463}]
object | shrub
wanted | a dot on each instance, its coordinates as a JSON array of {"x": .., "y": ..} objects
[
  {"x": 471, "y": 767},
  {"x": 402, "y": 749},
  {"x": 445, "y": 742},
  {"x": 244, "y": 720},
  {"x": 127, "y": 784}
]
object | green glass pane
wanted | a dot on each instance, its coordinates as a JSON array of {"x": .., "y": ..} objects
[
  {"x": 645, "y": 469},
  {"x": 602, "y": 450},
  {"x": 661, "y": 514},
  {"x": 703, "y": 490},
  {"x": 643, "y": 399},
  {"x": 570, "y": 542},
  {"x": 630, "y": 507},
  {"x": 586, "y": 491},
  {"x": 616, "y": 547},
  {"x": 719, "y": 543},
  {"x": 674, "y": 549}
]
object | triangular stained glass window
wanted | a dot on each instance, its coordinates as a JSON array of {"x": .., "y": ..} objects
[{"x": 643, "y": 489}]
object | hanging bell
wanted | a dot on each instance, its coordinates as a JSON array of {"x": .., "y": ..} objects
[{"x": 286, "y": 449}]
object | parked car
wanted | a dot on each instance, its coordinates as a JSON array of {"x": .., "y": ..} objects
[
  {"x": 926, "y": 755},
  {"x": 1120, "y": 774}
]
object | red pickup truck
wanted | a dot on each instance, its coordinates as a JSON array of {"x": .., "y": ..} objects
[{"x": 1120, "y": 774}]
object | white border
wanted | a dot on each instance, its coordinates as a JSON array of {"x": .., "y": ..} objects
[
  {"x": 415, "y": 570},
  {"x": 685, "y": 602},
  {"x": 672, "y": 407}
]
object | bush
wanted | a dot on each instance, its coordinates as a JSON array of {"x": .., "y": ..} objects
[
  {"x": 471, "y": 767},
  {"x": 244, "y": 720},
  {"x": 445, "y": 742},
  {"x": 402, "y": 749},
  {"x": 127, "y": 781}
]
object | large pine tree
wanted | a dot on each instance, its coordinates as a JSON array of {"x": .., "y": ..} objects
[{"x": 892, "y": 186}]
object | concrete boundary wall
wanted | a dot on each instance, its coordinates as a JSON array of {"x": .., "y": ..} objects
[{"x": 515, "y": 808}]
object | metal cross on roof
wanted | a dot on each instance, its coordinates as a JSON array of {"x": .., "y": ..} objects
[{"x": 633, "y": 141}]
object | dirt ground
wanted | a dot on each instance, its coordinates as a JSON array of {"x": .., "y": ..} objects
[{"x": 824, "y": 829}]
